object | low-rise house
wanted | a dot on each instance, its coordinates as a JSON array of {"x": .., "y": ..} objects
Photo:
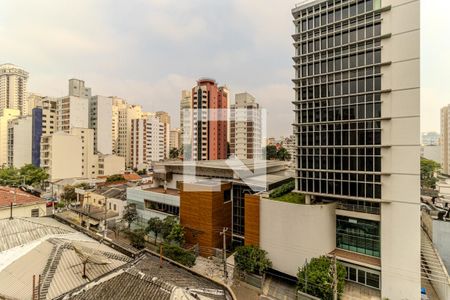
[{"x": 18, "y": 203}]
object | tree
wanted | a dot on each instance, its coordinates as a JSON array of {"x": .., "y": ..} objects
[
  {"x": 167, "y": 225},
  {"x": 283, "y": 154},
  {"x": 130, "y": 214},
  {"x": 252, "y": 259},
  {"x": 32, "y": 175},
  {"x": 115, "y": 178},
  {"x": 179, "y": 255},
  {"x": 174, "y": 153},
  {"x": 137, "y": 238},
  {"x": 271, "y": 152},
  {"x": 176, "y": 234},
  {"x": 28, "y": 174},
  {"x": 428, "y": 169},
  {"x": 154, "y": 225},
  {"x": 315, "y": 278},
  {"x": 69, "y": 194}
]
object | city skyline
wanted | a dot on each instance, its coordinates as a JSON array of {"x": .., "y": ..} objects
[{"x": 140, "y": 59}]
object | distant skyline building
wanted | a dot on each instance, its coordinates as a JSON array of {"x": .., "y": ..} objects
[
  {"x": 165, "y": 119},
  {"x": 13, "y": 88},
  {"x": 209, "y": 120},
  {"x": 186, "y": 117},
  {"x": 245, "y": 127},
  {"x": 357, "y": 121},
  {"x": 430, "y": 138},
  {"x": 175, "y": 138}
]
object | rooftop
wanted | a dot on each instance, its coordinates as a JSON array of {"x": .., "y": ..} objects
[
  {"x": 144, "y": 279},
  {"x": 16, "y": 196},
  {"x": 46, "y": 247},
  {"x": 161, "y": 190}
]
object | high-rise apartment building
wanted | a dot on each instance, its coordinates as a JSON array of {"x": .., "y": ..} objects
[
  {"x": 209, "y": 120},
  {"x": 245, "y": 127},
  {"x": 13, "y": 88},
  {"x": 139, "y": 143},
  {"x": 186, "y": 117},
  {"x": 33, "y": 100},
  {"x": 77, "y": 88},
  {"x": 55, "y": 158},
  {"x": 72, "y": 112},
  {"x": 89, "y": 160},
  {"x": 101, "y": 116},
  {"x": 147, "y": 141},
  {"x": 122, "y": 114},
  {"x": 357, "y": 110},
  {"x": 20, "y": 141},
  {"x": 8, "y": 115},
  {"x": 175, "y": 138},
  {"x": 165, "y": 119}
]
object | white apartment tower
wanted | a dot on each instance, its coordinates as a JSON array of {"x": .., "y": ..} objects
[
  {"x": 123, "y": 113},
  {"x": 147, "y": 141},
  {"x": 245, "y": 127},
  {"x": 165, "y": 119},
  {"x": 185, "y": 117},
  {"x": 13, "y": 88},
  {"x": 20, "y": 141},
  {"x": 101, "y": 116},
  {"x": 357, "y": 125}
]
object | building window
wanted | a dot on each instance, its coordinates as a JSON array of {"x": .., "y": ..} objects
[
  {"x": 35, "y": 212},
  {"x": 162, "y": 207},
  {"x": 358, "y": 235}
]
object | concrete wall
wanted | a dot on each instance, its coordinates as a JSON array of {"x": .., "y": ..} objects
[
  {"x": 291, "y": 233},
  {"x": 400, "y": 213},
  {"x": 65, "y": 156},
  {"x": 22, "y": 141},
  {"x": 23, "y": 211},
  {"x": 112, "y": 164},
  {"x": 441, "y": 240}
]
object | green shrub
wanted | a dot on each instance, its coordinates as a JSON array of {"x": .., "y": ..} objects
[
  {"x": 283, "y": 189},
  {"x": 115, "y": 178},
  {"x": 252, "y": 259},
  {"x": 179, "y": 255}
]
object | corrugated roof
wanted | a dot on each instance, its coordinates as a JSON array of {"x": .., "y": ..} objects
[
  {"x": 46, "y": 249},
  {"x": 20, "y": 231},
  {"x": 16, "y": 196}
]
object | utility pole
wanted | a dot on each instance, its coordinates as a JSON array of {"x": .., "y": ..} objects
[
  {"x": 104, "y": 229},
  {"x": 223, "y": 233}
]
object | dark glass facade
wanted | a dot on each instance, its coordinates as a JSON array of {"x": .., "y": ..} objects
[
  {"x": 358, "y": 235},
  {"x": 36, "y": 136},
  {"x": 338, "y": 99}
]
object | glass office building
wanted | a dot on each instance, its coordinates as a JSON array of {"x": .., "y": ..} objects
[{"x": 357, "y": 110}]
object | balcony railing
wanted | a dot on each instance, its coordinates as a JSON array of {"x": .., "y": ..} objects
[{"x": 359, "y": 208}]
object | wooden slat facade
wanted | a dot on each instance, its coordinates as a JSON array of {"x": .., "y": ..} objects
[{"x": 251, "y": 219}]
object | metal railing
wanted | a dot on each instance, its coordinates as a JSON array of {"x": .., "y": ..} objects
[{"x": 359, "y": 208}]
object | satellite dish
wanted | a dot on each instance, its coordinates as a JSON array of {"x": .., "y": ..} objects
[{"x": 89, "y": 255}]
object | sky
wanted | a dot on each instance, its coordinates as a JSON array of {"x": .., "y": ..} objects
[{"x": 147, "y": 51}]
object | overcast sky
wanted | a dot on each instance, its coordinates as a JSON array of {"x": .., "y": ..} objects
[{"x": 147, "y": 51}]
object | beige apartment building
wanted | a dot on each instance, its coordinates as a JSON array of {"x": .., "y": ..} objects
[
  {"x": 13, "y": 88},
  {"x": 245, "y": 127},
  {"x": 445, "y": 140},
  {"x": 8, "y": 115},
  {"x": 357, "y": 125},
  {"x": 122, "y": 114}
]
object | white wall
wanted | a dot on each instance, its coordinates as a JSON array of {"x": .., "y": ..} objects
[
  {"x": 291, "y": 233},
  {"x": 66, "y": 156},
  {"x": 400, "y": 213},
  {"x": 103, "y": 126},
  {"x": 79, "y": 112},
  {"x": 113, "y": 164},
  {"x": 22, "y": 142},
  {"x": 23, "y": 211}
]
